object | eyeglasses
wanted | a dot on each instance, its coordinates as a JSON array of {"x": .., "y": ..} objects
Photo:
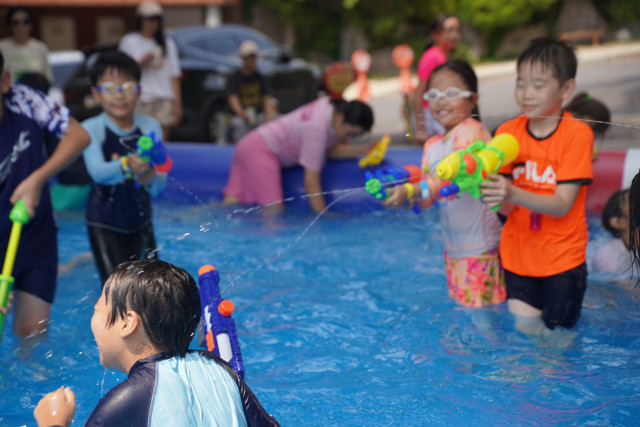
[
  {"x": 20, "y": 21},
  {"x": 450, "y": 93},
  {"x": 110, "y": 88}
]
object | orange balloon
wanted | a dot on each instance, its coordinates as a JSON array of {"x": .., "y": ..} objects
[
  {"x": 337, "y": 77},
  {"x": 402, "y": 56},
  {"x": 361, "y": 61}
]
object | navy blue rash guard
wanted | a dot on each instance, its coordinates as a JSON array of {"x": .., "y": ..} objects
[
  {"x": 27, "y": 113},
  {"x": 199, "y": 389}
]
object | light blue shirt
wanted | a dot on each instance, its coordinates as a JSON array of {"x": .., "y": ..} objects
[{"x": 109, "y": 172}]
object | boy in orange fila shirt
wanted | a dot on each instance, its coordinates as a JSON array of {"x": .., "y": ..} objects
[{"x": 544, "y": 240}]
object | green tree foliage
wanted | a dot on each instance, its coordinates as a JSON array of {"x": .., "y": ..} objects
[
  {"x": 619, "y": 12},
  {"x": 317, "y": 23},
  {"x": 493, "y": 15}
]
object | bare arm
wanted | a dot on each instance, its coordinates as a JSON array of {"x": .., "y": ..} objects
[
  {"x": 341, "y": 150},
  {"x": 420, "y": 134},
  {"x": 177, "y": 100},
  {"x": 70, "y": 146},
  {"x": 268, "y": 108},
  {"x": 236, "y": 107},
  {"x": 312, "y": 186},
  {"x": 500, "y": 189}
]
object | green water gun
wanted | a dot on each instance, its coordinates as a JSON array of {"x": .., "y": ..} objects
[{"x": 19, "y": 216}]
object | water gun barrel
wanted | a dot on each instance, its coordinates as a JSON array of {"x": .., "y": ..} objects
[
  {"x": 449, "y": 166},
  {"x": 449, "y": 190},
  {"x": 220, "y": 332},
  {"x": 19, "y": 216},
  {"x": 502, "y": 149}
]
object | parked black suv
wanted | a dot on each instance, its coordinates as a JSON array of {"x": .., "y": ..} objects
[{"x": 208, "y": 55}]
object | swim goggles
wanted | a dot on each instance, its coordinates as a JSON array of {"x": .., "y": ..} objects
[
  {"x": 450, "y": 93},
  {"x": 110, "y": 88}
]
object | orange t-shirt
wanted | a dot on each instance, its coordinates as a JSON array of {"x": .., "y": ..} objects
[{"x": 559, "y": 244}]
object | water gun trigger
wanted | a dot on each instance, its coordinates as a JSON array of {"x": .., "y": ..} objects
[{"x": 377, "y": 153}]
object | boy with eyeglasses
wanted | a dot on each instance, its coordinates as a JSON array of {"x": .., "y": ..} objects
[
  {"x": 119, "y": 205},
  {"x": 544, "y": 240}
]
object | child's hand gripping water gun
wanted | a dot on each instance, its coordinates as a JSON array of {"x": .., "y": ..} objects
[
  {"x": 378, "y": 180},
  {"x": 19, "y": 216},
  {"x": 219, "y": 328},
  {"x": 154, "y": 152},
  {"x": 467, "y": 168},
  {"x": 377, "y": 153},
  {"x": 382, "y": 178}
]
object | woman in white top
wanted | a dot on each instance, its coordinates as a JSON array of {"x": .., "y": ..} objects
[
  {"x": 22, "y": 53},
  {"x": 161, "y": 95}
]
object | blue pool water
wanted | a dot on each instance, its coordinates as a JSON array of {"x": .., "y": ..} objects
[{"x": 346, "y": 321}]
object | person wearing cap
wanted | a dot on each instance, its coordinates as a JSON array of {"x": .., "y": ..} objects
[
  {"x": 248, "y": 94},
  {"x": 157, "y": 54}
]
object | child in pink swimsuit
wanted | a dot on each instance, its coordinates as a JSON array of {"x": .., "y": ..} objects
[{"x": 304, "y": 137}]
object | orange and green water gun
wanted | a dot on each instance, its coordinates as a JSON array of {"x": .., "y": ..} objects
[
  {"x": 469, "y": 167},
  {"x": 19, "y": 216}
]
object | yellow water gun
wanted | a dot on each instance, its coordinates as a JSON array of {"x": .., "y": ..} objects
[{"x": 19, "y": 216}]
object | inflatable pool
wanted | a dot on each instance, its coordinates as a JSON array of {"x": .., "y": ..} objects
[{"x": 200, "y": 173}]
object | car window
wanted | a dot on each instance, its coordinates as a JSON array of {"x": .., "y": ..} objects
[{"x": 222, "y": 46}]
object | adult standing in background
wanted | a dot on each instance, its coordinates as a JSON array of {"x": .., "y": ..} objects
[
  {"x": 248, "y": 94},
  {"x": 444, "y": 36},
  {"x": 22, "y": 53},
  {"x": 157, "y": 54}
]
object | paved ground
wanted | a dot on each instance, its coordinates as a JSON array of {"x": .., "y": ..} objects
[{"x": 593, "y": 61}]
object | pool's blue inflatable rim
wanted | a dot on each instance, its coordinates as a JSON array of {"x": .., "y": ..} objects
[{"x": 200, "y": 173}]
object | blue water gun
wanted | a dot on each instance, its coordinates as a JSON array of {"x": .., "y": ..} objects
[
  {"x": 220, "y": 333},
  {"x": 153, "y": 151},
  {"x": 380, "y": 179}
]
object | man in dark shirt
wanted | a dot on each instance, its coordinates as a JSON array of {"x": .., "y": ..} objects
[{"x": 248, "y": 94}]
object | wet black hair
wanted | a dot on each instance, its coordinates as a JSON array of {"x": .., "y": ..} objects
[
  {"x": 164, "y": 296},
  {"x": 584, "y": 105},
  {"x": 613, "y": 209},
  {"x": 15, "y": 9},
  {"x": 437, "y": 24},
  {"x": 159, "y": 36},
  {"x": 35, "y": 80},
  {"x": 117, "y": 60},
  {"x": 466, "y": 73},
  {"x": 558, "y": 55},
  {"x": 355, "y": 113}
]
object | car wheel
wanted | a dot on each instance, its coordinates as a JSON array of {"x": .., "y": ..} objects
[{"x": 216, "y": 123}]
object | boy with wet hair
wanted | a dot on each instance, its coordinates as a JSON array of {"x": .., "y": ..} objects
[
  {"x": 544, "y": 240},
  {"x": 25, "y": 114},
  {"x": 119, "y": 210},
  {"x": 143, "y": 324}
]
